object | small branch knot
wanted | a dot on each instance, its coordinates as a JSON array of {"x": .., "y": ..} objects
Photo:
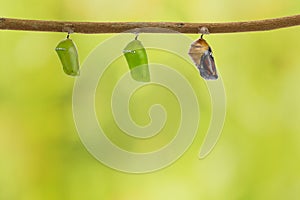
[
  {"x": 69, "y": 28},
  {"x": 204, "y": 30},
  {"x": 180, "y": 25}
]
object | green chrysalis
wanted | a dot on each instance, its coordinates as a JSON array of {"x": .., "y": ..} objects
[
  {"x": 67, "y": 53},
  {"x": 137, "y": 60}
]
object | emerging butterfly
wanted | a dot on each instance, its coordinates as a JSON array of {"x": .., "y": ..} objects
[{"x": 201, "y": 54}]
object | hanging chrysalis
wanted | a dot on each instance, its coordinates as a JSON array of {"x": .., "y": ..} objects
[
  {"x": 201, "y": 54},
  {"x": 67, "y": 53},
  {"x": 137, "y": 60}
]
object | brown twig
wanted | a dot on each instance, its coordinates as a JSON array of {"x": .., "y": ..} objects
[{"x": 118, "y": 27}]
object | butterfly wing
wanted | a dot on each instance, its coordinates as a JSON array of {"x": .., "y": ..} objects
[{"x": 207, "y": 66}]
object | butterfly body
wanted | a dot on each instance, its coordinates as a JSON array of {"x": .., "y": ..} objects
[{"x": 201, "y": 54}]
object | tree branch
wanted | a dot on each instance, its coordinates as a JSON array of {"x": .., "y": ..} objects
[{"x": 118, "y": 27}]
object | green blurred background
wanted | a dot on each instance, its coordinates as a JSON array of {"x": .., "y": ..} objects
[{"x": 257, "y": 157}]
